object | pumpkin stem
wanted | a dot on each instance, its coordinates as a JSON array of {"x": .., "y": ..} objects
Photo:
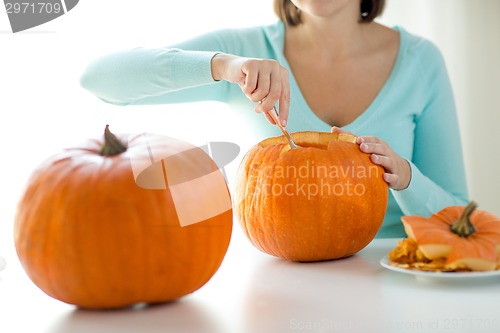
[
  {"x": 464, "y": 227},
  {"x": 112, "y": 145}
]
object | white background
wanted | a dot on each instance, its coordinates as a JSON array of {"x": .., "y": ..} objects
[{"x": 43, "y": 109}]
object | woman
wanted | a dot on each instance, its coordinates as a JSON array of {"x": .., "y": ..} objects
[{"x": 326, "y": 63}]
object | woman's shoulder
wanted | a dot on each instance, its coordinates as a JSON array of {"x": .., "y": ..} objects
[
  {"x": 421, "y": 53},
  {"x": 418, "y": 46},
  {"x": 255, "y": 41},
  {"x": 251, "y": 32}
]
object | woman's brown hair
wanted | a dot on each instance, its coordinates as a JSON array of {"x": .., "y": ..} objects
[{"x": 288, "y": 13}]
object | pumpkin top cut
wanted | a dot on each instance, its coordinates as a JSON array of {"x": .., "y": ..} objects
[
  {"x": 482, "y": 244},
  {"x": 309, "y": 139}
]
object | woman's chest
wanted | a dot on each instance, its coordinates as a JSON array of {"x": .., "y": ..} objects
[{"x": 339, "y": 93}]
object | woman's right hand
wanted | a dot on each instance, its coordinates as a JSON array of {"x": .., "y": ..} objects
[{"x": 262, "y": 81}]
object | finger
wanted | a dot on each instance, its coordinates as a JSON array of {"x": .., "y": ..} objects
[
  {"x": 390, "y": 179},
  {"x": 266, "y": 114},
  {"x": 284, "y": 110},
  {"x": 273, "y": 92},
  {"x": 275, "y": 88},
  {"x": 263, "y": 109},
  {"x": 269, "y": 101},
  {"x": 284, "y": 99},
  {"x": 369, "y": 139},
  {"x": 250, "y": 83},
  {"x": 375, "y": 148},
  {"x": 339, "y": 130},
  {"x": 386, "y": 162},
  {"x": 269, "y": 118},
  {"x": 262, "y": 88}
]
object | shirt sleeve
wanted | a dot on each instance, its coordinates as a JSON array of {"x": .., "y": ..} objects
[
  {"x": 437, "y": 167},
  {"x": 179, "y": 73}
]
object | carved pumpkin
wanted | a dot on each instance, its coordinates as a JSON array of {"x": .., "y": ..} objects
[
  {"x": 467, "y": 238},
  {"x": 325, "y": 200},
  {"x": 87, "y": 234}
]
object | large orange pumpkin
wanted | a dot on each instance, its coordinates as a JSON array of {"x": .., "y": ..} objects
[
  {"x": 94, "y": 229},
  {"x": 466, "y": 237},
  {"x": 325, "y": 200}
]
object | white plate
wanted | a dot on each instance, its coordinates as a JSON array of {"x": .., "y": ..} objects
[{"x": 439, "y": 275}]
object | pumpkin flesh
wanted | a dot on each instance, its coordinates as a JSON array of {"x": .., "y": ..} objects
[{"x": 479, "y": 251}]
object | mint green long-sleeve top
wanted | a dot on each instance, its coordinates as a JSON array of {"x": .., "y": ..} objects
[{"x": 414, "y": 112}]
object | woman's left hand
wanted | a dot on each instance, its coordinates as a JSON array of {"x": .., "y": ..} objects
[{"x": 397, "y": 169}]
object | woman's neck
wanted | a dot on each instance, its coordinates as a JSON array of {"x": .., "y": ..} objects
[{"x": 331, "y": 37}]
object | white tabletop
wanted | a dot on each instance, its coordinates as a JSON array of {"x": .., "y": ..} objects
[{"x": 254, "y": 292}]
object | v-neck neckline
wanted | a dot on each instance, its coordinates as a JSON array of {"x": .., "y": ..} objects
[{"x": 298, "y": 103}]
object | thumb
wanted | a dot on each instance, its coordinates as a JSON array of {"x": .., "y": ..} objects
[{"x": 339, "y": 130}]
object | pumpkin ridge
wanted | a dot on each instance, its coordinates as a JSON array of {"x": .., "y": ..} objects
[
  {"x": 484, "y": 250},
  {"x": 301, "y": 225},
  {"x": 435, "y": 239},
  {"x": 80, "y": 233}
]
